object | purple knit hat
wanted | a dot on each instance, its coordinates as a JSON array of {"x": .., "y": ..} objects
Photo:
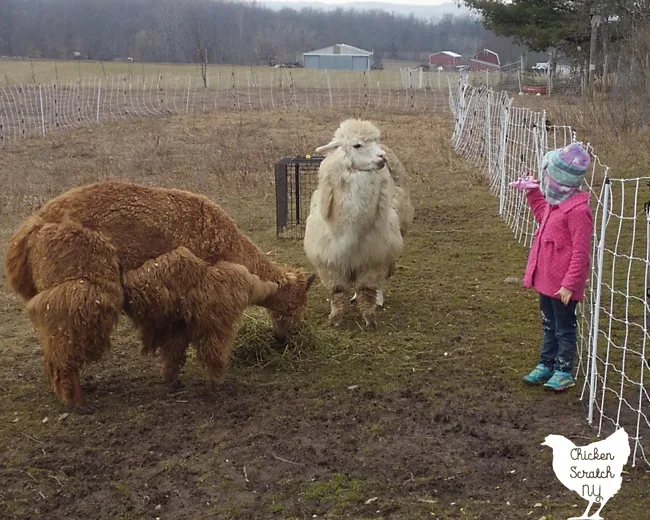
[
  {"x": 567, "y": 166},
  {"x": 565, "y": 170}
]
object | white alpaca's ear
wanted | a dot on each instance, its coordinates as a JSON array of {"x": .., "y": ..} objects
[{"x": 332, "y": 145}]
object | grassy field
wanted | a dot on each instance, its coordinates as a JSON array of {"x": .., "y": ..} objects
[
  {"x": 42, "y": 71},
  {"x": 424, "y": 418}
]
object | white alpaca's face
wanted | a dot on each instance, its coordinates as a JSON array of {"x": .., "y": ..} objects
[
  {"x": 363, "y": 155},
  {"x": 366, "y": 155}
]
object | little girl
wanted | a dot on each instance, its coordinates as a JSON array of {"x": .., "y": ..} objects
[{"x": 558, "y": 262}]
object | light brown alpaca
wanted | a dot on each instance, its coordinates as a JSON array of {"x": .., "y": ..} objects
[
  {"x": 107, "y": 228},
  {"x": 71, "y": 279},
  {"x": 177, "y": 299}
]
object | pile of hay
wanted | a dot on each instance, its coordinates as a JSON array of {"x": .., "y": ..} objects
[{"x": 255, "y": 345}]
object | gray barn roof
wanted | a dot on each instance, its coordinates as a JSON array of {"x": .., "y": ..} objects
[{"x": 340, "y": 49}]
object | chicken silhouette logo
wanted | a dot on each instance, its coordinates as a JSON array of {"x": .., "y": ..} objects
[{"x": 592, "y": 471}]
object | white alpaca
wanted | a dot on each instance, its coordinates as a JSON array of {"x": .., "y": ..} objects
[
  {"x": 352, "y": 234},
  {"x": 401, "y": 202}
]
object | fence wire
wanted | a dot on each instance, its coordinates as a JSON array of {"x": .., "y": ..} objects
[
  {"x": 613, "y": 357},
  {"x": 503, "y": 141},
  {"x": 32, "y": 110}
]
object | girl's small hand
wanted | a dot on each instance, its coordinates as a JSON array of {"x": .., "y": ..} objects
[
  {"x": 525, "y": 183},
  {"x": 565, "y": 295}
]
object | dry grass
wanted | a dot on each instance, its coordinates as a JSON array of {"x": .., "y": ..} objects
[{"x": 625, "y": 150}]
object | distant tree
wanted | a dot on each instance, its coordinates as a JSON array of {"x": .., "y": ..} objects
[
  {"x": 378, "y": 62},
  {"x": 222, "y": 31},
  {"x": 8, "y": 26}
]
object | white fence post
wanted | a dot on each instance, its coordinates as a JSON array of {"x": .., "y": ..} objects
[
  {"x": 329, "y": 86},
  {"x": 99, "y": 95},
  {"x": 644, "y": 351},
  {"x": 488, "y": 131},
  {"x": 187, "y": 100},
  {"x": 40, "y": 95},
  {"x": 596, "y": 308},
  {"x": 503, "y": 143},
  {"x": 541, "y": 142}
]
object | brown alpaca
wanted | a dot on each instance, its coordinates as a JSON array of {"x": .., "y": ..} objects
[
  {"x": 177, "y": 299},
  {"x": 76, "y": 298},
  {"x": 68, "y": 257},
  {"x": 143, "y": 222}
]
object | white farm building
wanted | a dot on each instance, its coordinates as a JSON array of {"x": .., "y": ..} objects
[{"x": 340, "y": 56}]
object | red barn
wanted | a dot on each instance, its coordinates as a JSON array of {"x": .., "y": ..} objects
[
  {"x": 485, "y": 60},
  {"x": 446, "y": 59}
]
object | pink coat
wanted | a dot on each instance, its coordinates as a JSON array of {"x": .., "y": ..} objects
[{"x": 561, "y": 250}]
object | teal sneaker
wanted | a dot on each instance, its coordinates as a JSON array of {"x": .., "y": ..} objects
[
  {"x": 540, "y": 375},
  {"x": 560, "y": 381}
]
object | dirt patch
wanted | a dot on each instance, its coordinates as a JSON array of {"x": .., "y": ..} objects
[{"x": 424, "y": 418}]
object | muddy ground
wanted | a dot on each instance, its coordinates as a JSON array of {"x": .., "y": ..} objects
[{"x": 426, "y": 417}]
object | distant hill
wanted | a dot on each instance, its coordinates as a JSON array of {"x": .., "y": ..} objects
[{"x": 420, "y": 11}]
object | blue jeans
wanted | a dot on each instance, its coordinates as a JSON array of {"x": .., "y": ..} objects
[{"x": 559, "y": 324}]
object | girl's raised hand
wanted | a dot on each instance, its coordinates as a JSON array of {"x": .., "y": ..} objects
[{"x": 525, "y": 183}]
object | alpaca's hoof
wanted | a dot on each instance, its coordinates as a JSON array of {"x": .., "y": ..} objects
[
  {"x": 214, "y": 385},
  {"x": 335, "y": 320},
  {"x": 336, "y": 323},
  {"x": 173, "y": 386},
  {"x": 336, "y": 316},
  {"x": 371, "y": 321},
  {"x": 82, "y": 409},
  {"x": 380, "y": 298}
]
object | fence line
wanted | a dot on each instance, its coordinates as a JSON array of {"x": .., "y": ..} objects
[
  {"x": 32, "y": 110},
  {"x": 613, "y": 357},
  {"x": 505, "y": 141}
]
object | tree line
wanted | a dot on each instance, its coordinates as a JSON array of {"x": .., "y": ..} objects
[
  {"x": 596, "y": 34},
  {"x": 227, "y": 32}
]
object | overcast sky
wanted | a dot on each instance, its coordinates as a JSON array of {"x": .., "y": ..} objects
[{"x": 402, "y": 2}]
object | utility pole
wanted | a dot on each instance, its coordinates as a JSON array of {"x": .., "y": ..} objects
[{"x": 596, "y": 20}]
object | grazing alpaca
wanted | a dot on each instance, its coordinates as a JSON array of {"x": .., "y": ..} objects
[
  {"x": 352, "y": 234},
  {"x": 67, "y": 260},
  {"x": 177, "y": 299},
  {"x": 71, "y": 278}
]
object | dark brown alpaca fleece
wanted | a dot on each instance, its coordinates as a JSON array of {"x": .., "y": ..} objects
[
  {"x": 177, "y": 299},
  {"x": 68, "y": 256}
]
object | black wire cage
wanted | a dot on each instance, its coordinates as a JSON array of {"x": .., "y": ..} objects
[{"x": 295, "y": 180}]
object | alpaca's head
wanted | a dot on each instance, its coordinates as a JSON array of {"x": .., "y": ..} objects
[
  {"x": 357, "y": 142},
  {"x": 288, "y": 305}
]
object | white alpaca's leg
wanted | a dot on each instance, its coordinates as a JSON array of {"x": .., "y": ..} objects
[
  {"x": 380, "y": 297},
  {"x": 369, "y": 289},
  {"x": 337, "y": 287}
]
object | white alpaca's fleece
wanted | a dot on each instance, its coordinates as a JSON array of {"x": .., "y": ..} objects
[
  {"x": 352, "y": 234},
  {"x": 402, "y": 197}
]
